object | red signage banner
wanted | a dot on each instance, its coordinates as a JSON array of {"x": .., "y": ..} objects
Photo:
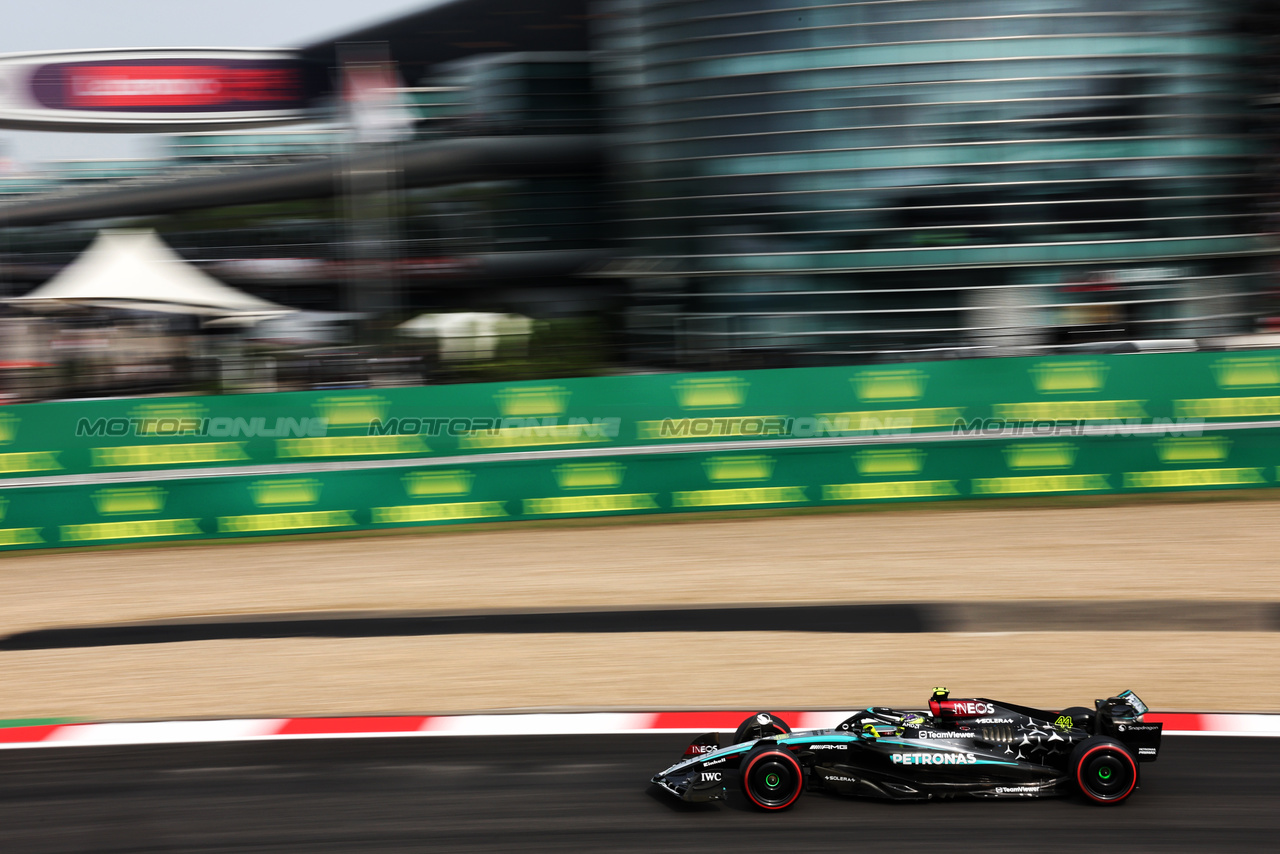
[
  {"x": 161, "y": 90},
  {"x": 156, "y": 86}
]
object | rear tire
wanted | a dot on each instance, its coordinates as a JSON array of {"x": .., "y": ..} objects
[
  {"x": 762, "y": 725},
  {"x": 772, "y": 778},
  {"x": 1104, "y": 770}
]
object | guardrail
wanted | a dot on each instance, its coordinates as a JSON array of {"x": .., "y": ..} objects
[{"x": 77, "y": 473}]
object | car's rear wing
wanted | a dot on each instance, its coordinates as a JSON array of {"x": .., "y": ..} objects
[{"x": 1121, "y": 717}]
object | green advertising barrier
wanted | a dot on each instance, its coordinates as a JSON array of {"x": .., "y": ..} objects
[
  {"x": 480, "y": 491},
  {"x": 79, "y": 437}
]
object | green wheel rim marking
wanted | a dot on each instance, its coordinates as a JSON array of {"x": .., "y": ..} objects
[
  {"x": 772, "y": 780},
  {"x": 1104, "y": 773}
]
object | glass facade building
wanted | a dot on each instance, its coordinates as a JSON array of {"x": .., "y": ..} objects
[
  {"x": 795, "y": 181},
  {"x": 820, "y": 182}
]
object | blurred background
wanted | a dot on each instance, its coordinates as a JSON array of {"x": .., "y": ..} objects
[
  {"x": 408, "y": 195},
  {"x": 516, "y": 189}
]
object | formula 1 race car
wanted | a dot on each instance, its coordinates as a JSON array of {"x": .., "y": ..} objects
[{"x": 956, "y": 748}]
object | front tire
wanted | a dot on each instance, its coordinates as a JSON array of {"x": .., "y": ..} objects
[
  {"x": 1104, "y": 769},
  {"x": 772, "y": 778}
]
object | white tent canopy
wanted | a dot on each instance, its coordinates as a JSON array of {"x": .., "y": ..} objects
[
  {"x": 134, "y": 269},
  {"x": 468, "y": 334}
]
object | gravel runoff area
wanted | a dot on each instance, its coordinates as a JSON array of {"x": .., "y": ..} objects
[{"x": 1215, "y": 549}]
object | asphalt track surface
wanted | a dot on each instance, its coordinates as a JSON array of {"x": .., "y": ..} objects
[
  {"x": 1045, "y": 615},
  {"x": 581, "y": 793}
]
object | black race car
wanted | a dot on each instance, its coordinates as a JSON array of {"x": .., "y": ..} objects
[{"x": 956, "y": 748}]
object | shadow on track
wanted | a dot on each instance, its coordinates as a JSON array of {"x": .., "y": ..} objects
[
  {"x": 887, "y": 618},
  {"x": 784, "y": 618}
]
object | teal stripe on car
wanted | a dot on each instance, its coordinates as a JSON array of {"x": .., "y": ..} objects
[{"x": 811, "y": 739}]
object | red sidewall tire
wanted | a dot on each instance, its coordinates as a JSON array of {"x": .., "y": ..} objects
[
  {"x": 1133, "y": 774},
  {"x": 783, "y": 757}
]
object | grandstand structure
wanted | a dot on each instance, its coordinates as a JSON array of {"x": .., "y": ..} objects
[{"x": 766, "y": 183}]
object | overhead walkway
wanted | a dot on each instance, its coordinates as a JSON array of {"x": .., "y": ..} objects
[{"x": 423, "y": 164}]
